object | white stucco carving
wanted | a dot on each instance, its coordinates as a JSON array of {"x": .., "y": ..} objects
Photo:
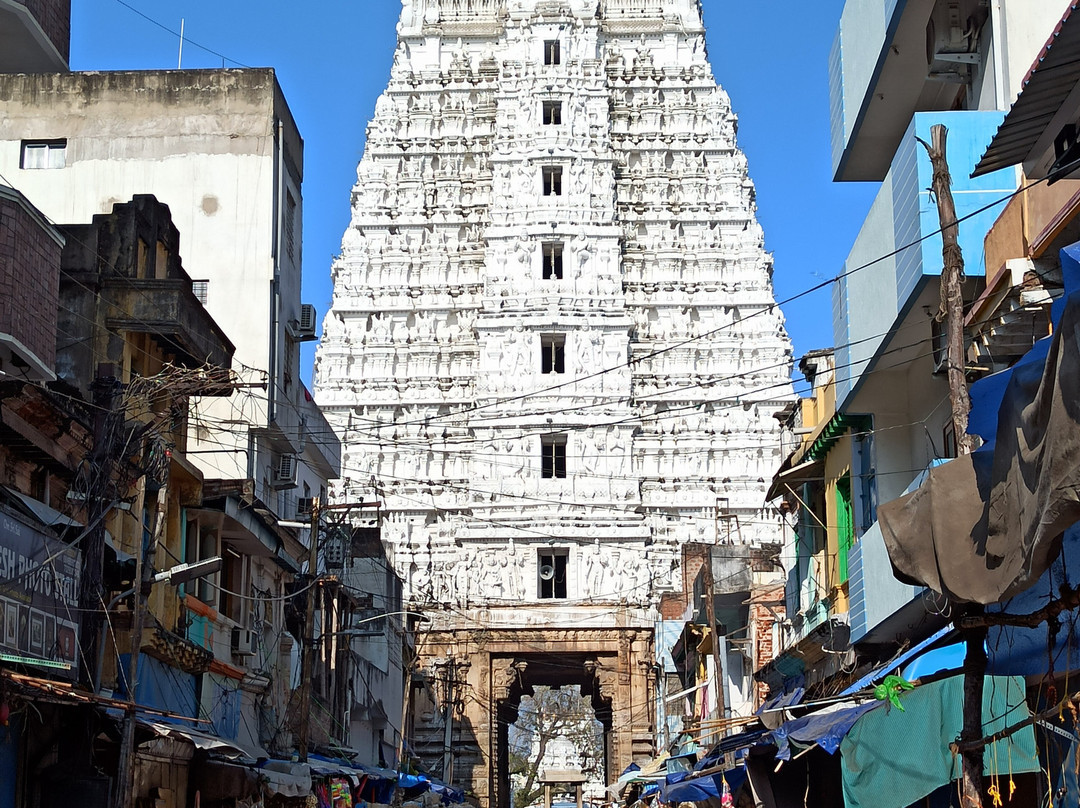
[{"x": 481, "y": 164}]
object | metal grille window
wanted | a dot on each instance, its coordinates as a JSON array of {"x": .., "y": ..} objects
[
  {"x": 553, "y": 254},
  {"x": 551, "y": 574},
  {"x": 44, "y": 154},
  {"x": 551, "y": 52},
  {"x": 552, "y": 353},
  {"x": 290, "y": 224},
  {"x": 553, "y": 457},
  {"x": 552, "y": 113},
  {"x": 201, "y": 289},
  {"x": 552, "y": 176}
]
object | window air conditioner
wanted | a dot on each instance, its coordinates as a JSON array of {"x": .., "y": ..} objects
[
  {"x": 285, "y": 472},
  {"x": 243, "y": 642}
]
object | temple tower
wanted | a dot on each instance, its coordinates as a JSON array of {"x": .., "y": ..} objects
[{"x": 553, "y": 352}]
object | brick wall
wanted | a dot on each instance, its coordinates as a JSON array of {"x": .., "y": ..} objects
[
  {"x": 54, "y": 17},
  {"x": 29, "y": 279},
  {"x": 762, "y": 620}
]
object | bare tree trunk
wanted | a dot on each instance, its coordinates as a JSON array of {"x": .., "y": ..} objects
[
  {"x": 952, "y": 311},
  {"x": 952, "y": 296}
]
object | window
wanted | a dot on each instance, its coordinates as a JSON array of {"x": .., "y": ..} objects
[
  {"x": 845, "y": 528},
  {"x": 201, "y": 290},
  {"x": 290, "y": 225},
  {"x": 202, "y": 543},
  {"x": 288, "y": 363},
  {"x": 142, "y": 258},
  {"x": 552, "y": 113},
  {"x": 44, "y": 154},
  {"x": 551, "y": 52},
  {"x": 553, "y": 457},
  {"x": 552, "y": 177},
  {"x": 552, "y": 353},
  {"x": 553, "y": 251},
  {"x": 161, "y": 262},
  {"x": 551, "y": 573},
  {"x": 234, "y": 582}
]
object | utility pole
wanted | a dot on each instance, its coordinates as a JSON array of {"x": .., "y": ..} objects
[
  {"x": 448, "y": 718},
  {"x": 952, "y": 311},
  {"x": 710, "y": 613},
  {"x": 106, "y": 391},
  {"x": 307, "y": 655},
  {"x": 144, "y": 577}
]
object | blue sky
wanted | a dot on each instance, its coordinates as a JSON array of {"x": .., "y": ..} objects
[{"x": 333, "y": 59}]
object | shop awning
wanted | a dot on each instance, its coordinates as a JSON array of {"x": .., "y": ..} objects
[
  {"x": 703, "y": 787},
  {"x": 893, "y": 757},
  {"x": 984, "y": 527},
  {"x": 285, "y": 778},
  {"x": 825, "y": 727},
  {"x": 794, "y": 476},
  {"x": 201, "y": 740},
  {"x": 896, "y": 662},
  {"x": 48, "y": 516},
  {"x": 1046, "y": 87},
  {"x": 415, "y": 784},
  {"x": 692, "y": 789}
]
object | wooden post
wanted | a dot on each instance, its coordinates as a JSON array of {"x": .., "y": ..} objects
[
  {"x": 307, "y": 652},
  {"x": 952, "y": 311}
]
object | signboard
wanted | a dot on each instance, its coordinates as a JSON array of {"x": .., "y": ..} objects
[{"x": 39, "y": 593}]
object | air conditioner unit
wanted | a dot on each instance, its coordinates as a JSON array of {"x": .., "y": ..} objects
[
  {"x": 285, "y": 472},
  {"x": 243, "y": 642},
  {"x": 304, "y": 507},
  {"x": 304, "y": 328}
]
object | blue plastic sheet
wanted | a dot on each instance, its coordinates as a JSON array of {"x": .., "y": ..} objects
[
  {"x": 691, "y": 789},
  {"x": 826, "y": 728},
  {"x": 897, "y": 662},
  {"x": 421, "y": 783}
]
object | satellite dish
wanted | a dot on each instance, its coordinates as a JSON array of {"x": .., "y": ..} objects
[{"x": 547, "y": 572}]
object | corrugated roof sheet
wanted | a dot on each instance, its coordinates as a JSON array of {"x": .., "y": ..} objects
[{"x": 1048, "y": 83}]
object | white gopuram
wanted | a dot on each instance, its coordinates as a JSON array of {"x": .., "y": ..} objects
[{"x": 553, "y": 353}]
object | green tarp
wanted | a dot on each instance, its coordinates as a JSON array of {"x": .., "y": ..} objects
[{"x": 893, "y": 758}]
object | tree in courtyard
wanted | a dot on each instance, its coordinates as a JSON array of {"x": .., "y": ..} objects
[{"x": 550, "y": 719}]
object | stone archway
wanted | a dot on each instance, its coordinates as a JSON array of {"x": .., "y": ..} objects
[{"x": 614, "y": 668}]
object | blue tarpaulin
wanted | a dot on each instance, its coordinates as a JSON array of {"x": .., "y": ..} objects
[
  {"x": 826, "y": 728},
  {"x": 895, "y": 663},
  {"x": 416, "y": 784},
  {"x": 691, "y": 789},
  {"x": 684, "y": 788},
  {"x": 730, "y": 744}
]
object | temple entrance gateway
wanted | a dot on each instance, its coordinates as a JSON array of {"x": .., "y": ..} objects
[{"x": 490, "y": 672}]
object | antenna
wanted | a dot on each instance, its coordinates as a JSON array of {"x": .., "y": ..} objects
[{"x": 180, "y": 56}]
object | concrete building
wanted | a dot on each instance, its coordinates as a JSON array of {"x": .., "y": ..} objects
[
  {"x": 896, "y": 70},
  {"x": 553, "y": 352},
  {"x": 221, "y": 149}
]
